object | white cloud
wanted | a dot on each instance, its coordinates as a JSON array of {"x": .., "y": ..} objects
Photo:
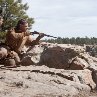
[{"x": 64, "y": 17}]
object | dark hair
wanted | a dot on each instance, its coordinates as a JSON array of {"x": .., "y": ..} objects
[{"x": 21, "y": 21}]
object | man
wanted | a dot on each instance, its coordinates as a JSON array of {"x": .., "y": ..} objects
[{"x": 19, "y": 36}]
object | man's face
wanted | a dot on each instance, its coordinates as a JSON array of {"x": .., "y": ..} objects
[
  {"x": 24, "y": 27},
  {"x": 1, "y": 22}
]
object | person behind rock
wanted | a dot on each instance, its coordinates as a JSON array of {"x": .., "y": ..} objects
[{"x": 19, "y": 36}]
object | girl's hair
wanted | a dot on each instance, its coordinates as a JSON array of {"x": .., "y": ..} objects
[{"x": 20, "y": 22}]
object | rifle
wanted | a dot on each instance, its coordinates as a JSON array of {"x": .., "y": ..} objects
[{"x": 35, "y": 32}]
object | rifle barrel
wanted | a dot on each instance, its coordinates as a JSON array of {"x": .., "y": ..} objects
[
  {"x": 35, "y": 32},
  {"x": 49, "y": 36}
]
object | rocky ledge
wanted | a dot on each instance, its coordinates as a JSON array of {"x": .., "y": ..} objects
[{"x": 51, "y": 70}]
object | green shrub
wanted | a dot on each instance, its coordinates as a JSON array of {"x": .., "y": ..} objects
[{"x": 2, "y": 36}]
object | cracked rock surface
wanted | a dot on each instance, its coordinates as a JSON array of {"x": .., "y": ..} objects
[{"x": 51, "y": 70}]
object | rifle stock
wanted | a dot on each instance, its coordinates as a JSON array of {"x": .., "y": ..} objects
[{"x": 35, "y": 32}]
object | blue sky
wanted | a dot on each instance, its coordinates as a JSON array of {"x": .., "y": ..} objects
[{"x": 64, "y": 18}]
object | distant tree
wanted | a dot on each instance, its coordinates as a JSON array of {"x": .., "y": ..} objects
[
  {"x": 87, "y": 40},
  {"x": 66, "y": 40},
  {"x": 72, "y": 40},
  {"x": 77, "y": 41},
  {"x": 93, "y": 40},
  {"x": 59, "y": 40}
]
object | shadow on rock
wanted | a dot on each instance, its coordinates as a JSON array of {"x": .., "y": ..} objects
[{"x": 57, "y": 57}]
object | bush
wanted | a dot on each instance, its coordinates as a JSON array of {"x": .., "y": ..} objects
[{"x": 2, "y": 36}]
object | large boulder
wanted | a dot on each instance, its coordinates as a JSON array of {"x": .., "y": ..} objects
[{"x": 55, "y": 56}]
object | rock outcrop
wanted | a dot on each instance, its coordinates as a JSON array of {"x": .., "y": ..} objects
[
  {"x": 41, "y": 81},
  {"x": 51, "y": 70}
]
